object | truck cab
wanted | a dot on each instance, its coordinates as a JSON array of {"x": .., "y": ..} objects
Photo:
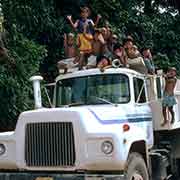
[{"x": 101, "y": 127}]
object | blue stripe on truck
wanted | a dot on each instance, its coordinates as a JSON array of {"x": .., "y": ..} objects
[{"x": 130, "y": 118}]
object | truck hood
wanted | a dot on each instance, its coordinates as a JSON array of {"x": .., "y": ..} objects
[{"x": 106, "y": 114}]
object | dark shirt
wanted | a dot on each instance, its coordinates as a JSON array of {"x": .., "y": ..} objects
[{"x": 80, "y": 27}]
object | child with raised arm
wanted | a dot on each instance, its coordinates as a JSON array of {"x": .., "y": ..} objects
[
  {"x": 85, "y": 29},
  {"x": 98, "y": 44},
  {"x": 169, "y": 100},
  {"x": 79, "y": 24},
  {"x": 103, "y": 63}
]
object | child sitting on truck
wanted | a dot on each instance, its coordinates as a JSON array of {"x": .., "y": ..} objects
[
  {"x": 169, "y": 100},
  {"x": 147, "y": 56},
  {"x": 120, "y": 53},
  {"x": 103, "y": 63}
]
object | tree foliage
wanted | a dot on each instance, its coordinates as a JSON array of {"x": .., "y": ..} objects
[
  {"x": 15, "y": 88},
  {"x": 35, "y": 27},
  {"x": 149, "y": 22}
]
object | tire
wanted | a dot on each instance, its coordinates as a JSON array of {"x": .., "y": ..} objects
[{"x": 136, "y": 168}]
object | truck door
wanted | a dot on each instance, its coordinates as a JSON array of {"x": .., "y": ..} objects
[
  {"x": 155, "y": 92},
  {"x": 143, "y": 111}
]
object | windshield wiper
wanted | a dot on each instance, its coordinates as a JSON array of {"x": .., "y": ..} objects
[
  {"x": 83, "y": 103},
  {"x": 104, "y": 100},
  {"x": 75, "y": 104}
]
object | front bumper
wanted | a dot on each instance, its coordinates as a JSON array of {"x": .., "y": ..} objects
[{"x": 56, "y": 176}]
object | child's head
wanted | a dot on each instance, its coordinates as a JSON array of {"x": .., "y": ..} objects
[
  {"x": 130, "y": 37},
  {"x": 107, "y": 24},
  {"x": 70, "y": 39},
  {"x": 85, "y": 12},
  {"x": 172, "y": 71},
  {"x": 104, "y": 32},
  {"x": 128, "y": 43},
  {"x": 146, "y": 52},
  {"x": 103, "y": 61},
  {"x": 135, "y": 50},
  {"x": 114, "y": 38},
  {"x": 118, "y": 50}
]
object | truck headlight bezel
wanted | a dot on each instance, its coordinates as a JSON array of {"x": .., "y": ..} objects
[
  {"x": 2, "y": 149},
  {"x": 107, "y": 147}
]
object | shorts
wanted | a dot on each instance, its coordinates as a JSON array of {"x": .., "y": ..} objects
[
  {"x": 85, "y": 43},
  {"x": 168, "y": 100}
]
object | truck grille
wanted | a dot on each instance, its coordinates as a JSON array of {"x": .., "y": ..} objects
[{"x": 50, "y": 144}]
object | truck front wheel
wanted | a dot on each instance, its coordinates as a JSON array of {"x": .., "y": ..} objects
[{"x": 136, "y": 168}]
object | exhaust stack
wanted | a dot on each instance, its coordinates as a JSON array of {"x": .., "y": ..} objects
[{"x": 37, "y": 91}]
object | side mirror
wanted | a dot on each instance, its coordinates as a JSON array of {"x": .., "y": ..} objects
[{"x": 37, "y": 91}]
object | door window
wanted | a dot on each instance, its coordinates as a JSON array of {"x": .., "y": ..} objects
[{"x": 139, "y": 90}]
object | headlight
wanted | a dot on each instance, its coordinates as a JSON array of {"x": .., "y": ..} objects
[
  {"x": 107, "y": 147},
  {"x": 2, "y": 149}
]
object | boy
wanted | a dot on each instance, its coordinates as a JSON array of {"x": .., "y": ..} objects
[
  {"x": 98, "y": 44},
  {"x": 148, "y": 60},
  {"x": 84, "y": 20},
  {"x": 131, "y": 49},
  {"x": 169, "y": 99},
  {"x": 70, "y": 53},
  {"x": 120, "y": 53},
  {"x": 85, "y": 29},
  {"x": 112, "y": 41},
  {"x": 128, "y": 44},
  {"x": 69, "y": 45},
  {"x": 103, "y": 63},
  {"x": 135, "y": 51}
]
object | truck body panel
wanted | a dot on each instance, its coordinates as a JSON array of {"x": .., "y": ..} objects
[
  {"x": 99, "y": 136},
  {"x": 91, "y": 128}
]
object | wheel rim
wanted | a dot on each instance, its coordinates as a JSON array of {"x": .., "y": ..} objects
[{"x": 136, "y": 176}]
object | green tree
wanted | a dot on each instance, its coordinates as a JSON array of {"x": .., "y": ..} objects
[
  {"x": 34, "y": 26},
  {"x": 15, "y": 89},
  {"x": 150, "y": 23}
]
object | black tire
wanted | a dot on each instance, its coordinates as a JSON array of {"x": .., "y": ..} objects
[{"x": 136, "y": 168}]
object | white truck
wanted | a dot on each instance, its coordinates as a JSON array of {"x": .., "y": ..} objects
[{"x": 102, "y": 126}]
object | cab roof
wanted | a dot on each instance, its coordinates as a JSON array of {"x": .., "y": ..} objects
[{"x": 96, "y": 71}]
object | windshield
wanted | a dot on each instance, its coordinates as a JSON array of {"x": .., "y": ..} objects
[{"x": 97, "y": 89}]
